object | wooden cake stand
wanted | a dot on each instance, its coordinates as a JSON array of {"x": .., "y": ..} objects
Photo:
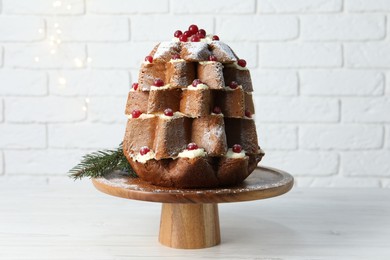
[{"x": 189, "y": 217}]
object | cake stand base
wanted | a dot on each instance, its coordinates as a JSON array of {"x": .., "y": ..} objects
[
  {"x": 189, "y": 217},
  {"x": 189, "y": 226}
]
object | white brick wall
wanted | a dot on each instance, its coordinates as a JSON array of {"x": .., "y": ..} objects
[
  {"x": 341, "y": 83},
  {"x": 299, "y": 6},
  {"x": 343, "y": 27},
  {"x": 320, "y": 70},
  {"x": 300, "y": 55}
]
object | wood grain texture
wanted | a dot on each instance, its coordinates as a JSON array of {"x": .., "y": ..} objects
[
  {"x": 262, "y": 183},
  {"x": 189, "y": 226}
]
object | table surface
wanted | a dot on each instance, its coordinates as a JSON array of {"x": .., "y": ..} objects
[{"x": 72, "y": 220}]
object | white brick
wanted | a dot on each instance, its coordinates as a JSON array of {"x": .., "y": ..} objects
[
  {"x": 385, "y": 183},
  {"x": 86, "y": 135},
  {"x": 127, "y": 7},
  {"x": 120, "y": 55},
  {"x": 107, "y": 109},
  {"x": 22, "y": 136},
  {"x": 292, "y": 109},
  {"x": 40, "y": 56},
  {"x": 21, "y": 29},
  {"x": 134, "y": 73},
  {"x": 367, "y": 55},
  {"x": 213, "y": 7},
  {"x": 90, "y": 28},
  {"x": 366, "y": 163},
  {"x": 42, "y": 7},
  {"x": 1, "y": 163},
  {"x": 89, "y": 83},
  {"x": 41, "y": 162},
  {"x": 387, "y": 90},
  {"x": 342, "y": 27},
  {"x": 365, "y": 110},
  {"x": 367, "y": 6},
  {"x": 299, "y": 6},
  {"x": 1, "y": 110},
  {"x": 277, "y": 137},
  {"x": 22, "y": 83},
  {"x": 387, "y": 141},
  {"x": 275, "y": 82},
  {"x": 143, "y": 28},
  {"x": 303, "y": 163},
  {"x": 45, "y": 109},
  {"x": 340, "y": 137},
  {"x": 1, "y": 56},
  {"x": 261, "y": 28},
  {"x": 246, "y": 51},
  {"x": 286, "y": 55},
  {"x": 341, "y": 83}
]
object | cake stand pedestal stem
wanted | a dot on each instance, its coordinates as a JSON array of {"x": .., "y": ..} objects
[{"x": 189, "y": 226}]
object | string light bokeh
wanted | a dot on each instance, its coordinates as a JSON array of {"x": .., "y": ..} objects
[{"x": 54, "y": 42}]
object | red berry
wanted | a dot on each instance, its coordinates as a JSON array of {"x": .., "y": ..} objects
[
  {"x": 175, "y": 56},
  {"x": 201, "y": 36},
  {"x": 237, "y": 148},
  {"x": 215, "y": 38},
  {"x": 158, "y": 83},
  {"x": 168, "y": 112},
  {"x": 217, "y": 110},
  {"x": 178, "y": 33},
  {"x": 202, "y": 32},
  {"x": 192, "y": 146},
  {"x": 248, "y": 113},
  {"x": 195, "y": 38},
  {"x": 196, "y": 82},
  {"x": 149, "y": 59},
  {"x": 144, "y": 150},
  {"x": 233, "y": 85},
  {"x": 212, "y": 58},
  {"x": 188, "y": 33},
  {"x": 193, "y": 28},
  {"x": 183, "y": 38},
  {"x": 135, "y": 86},
  {"x": 135, "y": 113},
  {"x": 242, "y": 63}
]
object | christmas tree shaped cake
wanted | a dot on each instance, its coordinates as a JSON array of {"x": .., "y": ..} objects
[{"x": 190, "y": 119}]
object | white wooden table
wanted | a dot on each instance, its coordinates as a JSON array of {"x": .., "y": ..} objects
[{"x": 72, "y": 220}]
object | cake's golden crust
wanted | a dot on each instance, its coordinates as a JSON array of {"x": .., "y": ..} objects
[{"x": 199, "y": 172}]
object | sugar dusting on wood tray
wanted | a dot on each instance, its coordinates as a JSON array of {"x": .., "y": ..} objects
[{"x": 260, "y": 179}]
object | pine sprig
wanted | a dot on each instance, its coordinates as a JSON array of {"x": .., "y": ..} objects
[{"x": 100, "y": 163}]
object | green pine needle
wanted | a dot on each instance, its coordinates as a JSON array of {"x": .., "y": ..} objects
[{"x": 100, "y": 163}]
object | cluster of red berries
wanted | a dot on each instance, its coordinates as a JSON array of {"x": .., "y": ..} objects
[
  {"x": 157, "y": 83},
  {"x": 137, "y": 113},
  {"x": 193, "y": 34},
  {"x": 191, "y": 146}
]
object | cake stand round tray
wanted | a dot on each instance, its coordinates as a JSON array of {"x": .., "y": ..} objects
[{"x": 189, "y": 217}]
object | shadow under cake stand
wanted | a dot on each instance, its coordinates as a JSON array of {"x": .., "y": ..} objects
[{"x": 189, "y": 217}]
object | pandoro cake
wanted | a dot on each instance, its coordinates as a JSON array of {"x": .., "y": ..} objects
[{"x": 190, "y": 115}]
